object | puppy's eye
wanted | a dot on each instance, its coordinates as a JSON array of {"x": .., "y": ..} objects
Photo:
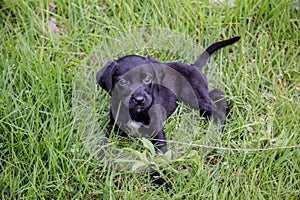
[
  {"x": 147, "y": 79},
  {"x": 123, "y": 82}
]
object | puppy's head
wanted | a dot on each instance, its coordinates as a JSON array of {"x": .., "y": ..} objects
[{"x": 131, "y": 80}]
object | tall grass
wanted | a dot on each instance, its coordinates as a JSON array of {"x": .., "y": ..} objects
[{"x": 43, "y": 149}]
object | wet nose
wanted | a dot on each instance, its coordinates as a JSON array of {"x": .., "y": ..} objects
[{"x": 138, "y": 99}]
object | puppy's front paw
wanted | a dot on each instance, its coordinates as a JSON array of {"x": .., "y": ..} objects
[{"x": 158, "y": 180}]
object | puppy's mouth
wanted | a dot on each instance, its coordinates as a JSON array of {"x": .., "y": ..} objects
[{"x": 138, "y": 108}]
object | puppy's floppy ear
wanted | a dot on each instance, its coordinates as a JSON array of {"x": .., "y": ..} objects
[{"x": 104, "y": 76}]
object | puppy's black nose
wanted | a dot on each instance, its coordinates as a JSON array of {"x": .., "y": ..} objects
[{"x": 139, "y": 99}]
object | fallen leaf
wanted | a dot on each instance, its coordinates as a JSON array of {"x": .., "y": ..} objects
[{"x": 53, "y": 26}]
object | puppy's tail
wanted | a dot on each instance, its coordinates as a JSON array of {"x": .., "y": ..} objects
[{"x": 201, "y": 61}]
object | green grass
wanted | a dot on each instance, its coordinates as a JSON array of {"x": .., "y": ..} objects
[{"x": 49, "y": 103}]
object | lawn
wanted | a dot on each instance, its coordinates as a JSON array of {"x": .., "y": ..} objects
[{"x": 53, "y": 116}]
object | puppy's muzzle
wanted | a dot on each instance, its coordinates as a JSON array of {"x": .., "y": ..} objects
[{"x": 140, "y": 99}]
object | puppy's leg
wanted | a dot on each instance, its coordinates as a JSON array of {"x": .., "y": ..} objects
[
  {"x": 157, "y": 116},
  {"x": 104, "y": 142},
  {"x": 155, "y": 129},
  {"x": 112, "y": 128},
  {"x": 160, "y": 142},
  {"x": 158, "y": 180},
  {"x": 220, "y": 107}
]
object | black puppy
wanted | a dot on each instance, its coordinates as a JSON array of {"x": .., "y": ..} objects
[{"x": 144, "y": 93}]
